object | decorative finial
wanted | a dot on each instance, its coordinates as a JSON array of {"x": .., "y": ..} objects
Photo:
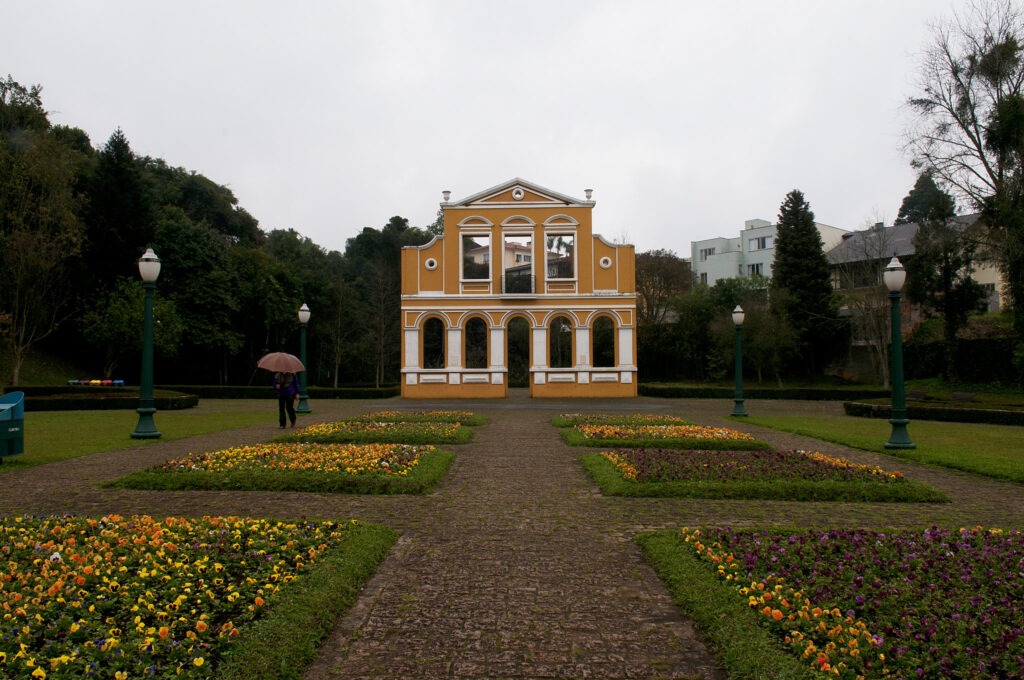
[
  {"x": 589, "y": 193},
  {"x": 446, "y": 195}
]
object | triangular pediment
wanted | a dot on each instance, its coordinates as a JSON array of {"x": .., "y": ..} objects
[{"x": 519, "y": 192}]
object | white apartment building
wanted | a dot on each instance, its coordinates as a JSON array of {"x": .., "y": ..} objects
[{"x": 751, "y": 253}]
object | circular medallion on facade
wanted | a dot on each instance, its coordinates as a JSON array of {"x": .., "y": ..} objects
[
  {"x": 430, "y": 264},
  {"x": 517, "y": 194},
  {"x": 605, "y": 262}
]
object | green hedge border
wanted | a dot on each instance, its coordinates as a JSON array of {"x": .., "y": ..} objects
[
  {"x": 611, "y": 483},
  {"x": 422, "y": 479},
  {"x": 743, "y": 647},
  {"x": 574, "y": 437},
  {"x": 104, "y": 399},
  {"x": 915, "y": 411},
  {"x": 800, "y": 393}
]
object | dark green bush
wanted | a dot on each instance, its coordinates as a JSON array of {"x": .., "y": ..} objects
[
  {"x": 803, "y": 393},
  {"x": 950, "y": 414}
]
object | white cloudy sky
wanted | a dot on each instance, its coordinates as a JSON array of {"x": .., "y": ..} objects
[{"x": 685, "y": 117}]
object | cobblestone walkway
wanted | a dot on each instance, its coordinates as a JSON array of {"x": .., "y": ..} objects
[{"x": 516, "y": 567}]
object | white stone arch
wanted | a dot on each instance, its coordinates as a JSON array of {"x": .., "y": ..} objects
[
  {"x": 476, "y": 221},
  {"x": 518, "y": 221},
  {"x": 561, "y": 221}
]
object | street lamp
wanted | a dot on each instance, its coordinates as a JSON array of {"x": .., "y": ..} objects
[
  {"x": 895, "y": 276},
  {"x": 737, "y": 320},
  {"x": 303, "y": 406},
  {"x": 149, "y": 270}
]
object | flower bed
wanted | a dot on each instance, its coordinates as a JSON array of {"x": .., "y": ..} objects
[
  {"x": 399, "y": 432},
  {"x": 622, "y": 419},
  {"x": 434, "y": 416},
  {"x": 302, "y": 466},
  {"x": 781, "y": 475},
  {"x": 933, "y": 603},
  {"x": 663, "y": 436},
  {"x": 134, "y": 597}
]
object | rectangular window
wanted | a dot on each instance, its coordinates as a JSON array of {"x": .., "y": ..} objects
[
  {"x": 755, "y": 269},
  {"x": 476, "y": 257},
  {"x": 561, "y": 256},
  {"x": 705, "y": 252},
  {"x": 517, "y": 272},
  {"x": 704, "y": 277},
  {"x": 759, "y": 243}
]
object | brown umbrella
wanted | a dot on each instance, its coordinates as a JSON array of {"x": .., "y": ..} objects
[{"x": 281, "y": 361}]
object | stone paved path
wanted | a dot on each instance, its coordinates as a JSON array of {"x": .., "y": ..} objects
[{"x": 516, "y": 567}]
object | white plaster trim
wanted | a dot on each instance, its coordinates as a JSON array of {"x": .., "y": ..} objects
[
  {"x": 410, "y": 378},
  {"x": 627, "y": 377},
  {"x": 475, "y": 378},
  {"x": 426, "y": 378},
  {"x": 497, "y": 378},
  {"x": 606, "y": 377},
  {"x": 560, "y": 220},
  {"x": 475, "y": 221},
  {"x": 518, "y": 221},
  {"x": 562, "y": 377}
]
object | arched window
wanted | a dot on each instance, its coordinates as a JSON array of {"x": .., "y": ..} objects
[
  {"x": 603, "y": 342},
  {"x": 476, "y": 343},
  {"x": 433, "y": 343},
  {"x": 560, "y": 343}
]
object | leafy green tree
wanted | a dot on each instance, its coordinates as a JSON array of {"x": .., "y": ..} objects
[
  {"x": 196, "y": 277},
  {"x": 939, "y": 273},
  {"x": 802, "y": 289},
  {"x": 113, "y": 324},
  {"x": 968, "y": 127},
  {"x": 120, "y": 215},
  {"x": 40, "y": 233},
  {"x": 660, "y": 276},
  {"x": 926, "y": 202}
]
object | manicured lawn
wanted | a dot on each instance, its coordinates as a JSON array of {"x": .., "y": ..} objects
[
  {"x": 770, "y": 475},
  {"x": 135, "y": 597},
  {"x": 905, "y": 603},
  {"x": 990, "y": 450},
  {"x": 326, "y": 468},
  {"x": 59, "y": 435}
]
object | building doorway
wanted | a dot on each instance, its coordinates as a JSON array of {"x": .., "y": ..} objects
[{"x": 518, "y": 352}]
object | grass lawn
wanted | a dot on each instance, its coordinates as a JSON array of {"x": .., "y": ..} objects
[
  {"x": 990, "y": 450},
  {"x": 612, "y": 483},
  {"x": 52, "y": 436}
]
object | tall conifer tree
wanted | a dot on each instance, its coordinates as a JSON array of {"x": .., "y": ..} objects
[{"x": 802, "y": 287}]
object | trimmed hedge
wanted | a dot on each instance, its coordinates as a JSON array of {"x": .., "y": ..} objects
[
  {"x": 949, "y": 414},
  {"x": 801, "y": 393},
  {"x": 107, "y": 399},
  {"x": 266, "y": 391}
]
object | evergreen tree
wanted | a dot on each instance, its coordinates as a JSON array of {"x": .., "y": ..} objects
[
  {"x": 802, "y": 288},
  {"x": 925, "y": 202}
]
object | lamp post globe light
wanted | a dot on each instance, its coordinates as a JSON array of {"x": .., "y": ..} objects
[
  {"x": 737, "y": 320},
  {"x": 149, "y": 270},
  {"x": 303, "y": 406},
  {"x": 895, "y": 276}
]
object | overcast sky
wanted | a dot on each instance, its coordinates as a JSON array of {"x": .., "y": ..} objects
[{"x": 686, "y": 118}]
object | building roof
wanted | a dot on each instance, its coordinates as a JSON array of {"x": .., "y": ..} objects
[{"x": 881, "y": 242}]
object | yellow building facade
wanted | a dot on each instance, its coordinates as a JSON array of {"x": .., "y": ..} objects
[{"x": 518, "y": 292}]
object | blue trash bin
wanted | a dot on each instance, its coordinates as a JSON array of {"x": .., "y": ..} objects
[{"x": 12, "y": 424}]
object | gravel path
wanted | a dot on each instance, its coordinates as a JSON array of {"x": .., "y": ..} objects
[{"x": 516, "y": 567}]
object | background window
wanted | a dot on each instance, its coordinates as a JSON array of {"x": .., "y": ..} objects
[
  {"x": 560, "y": 343},
  {"x": 476, "y": 257},
  {"x": 561, "y": 256}
]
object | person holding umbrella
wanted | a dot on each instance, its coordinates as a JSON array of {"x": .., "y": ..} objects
[
  {"x": 286, "y": 382},
  {"x": 287, "y": 387}
]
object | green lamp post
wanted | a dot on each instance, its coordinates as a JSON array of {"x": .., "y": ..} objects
[
  {"x": 737, "y": 320},
  {"x": 149, "y": 270},
  {"x": 303, "y": 406},
  {"x": 895, "y": 276}
]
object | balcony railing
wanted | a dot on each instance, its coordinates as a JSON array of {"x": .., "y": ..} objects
[{"x": 515, "y": 282}]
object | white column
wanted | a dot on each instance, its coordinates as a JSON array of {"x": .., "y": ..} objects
[
  {"x": 540, "y": 347},
  {"x": 625, "y": 347},
  {"x": 412, "y": 348},
  {"x": 497, "y": 347},
  {"x": 583, "y": 358},
  {"x": 454, "y": 348}
]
